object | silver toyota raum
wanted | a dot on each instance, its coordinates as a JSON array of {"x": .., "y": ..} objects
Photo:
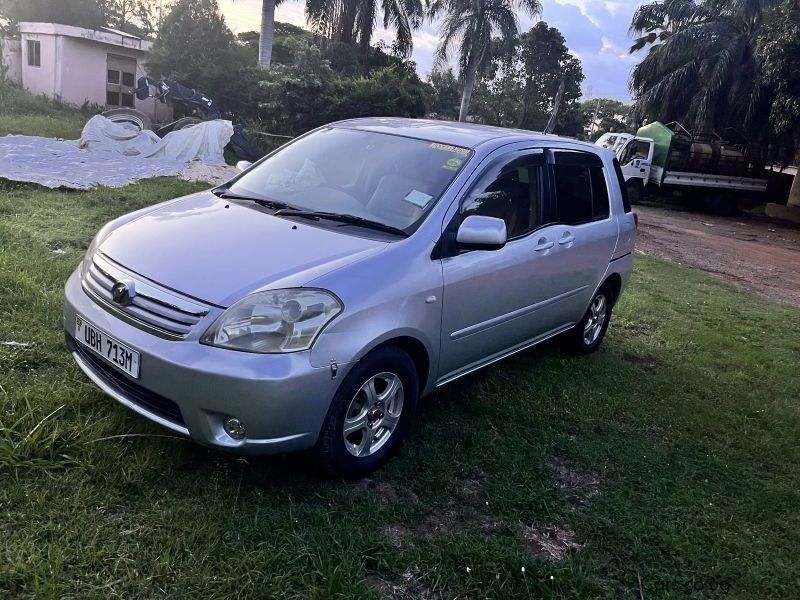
[{"x": 314, "y": 298}]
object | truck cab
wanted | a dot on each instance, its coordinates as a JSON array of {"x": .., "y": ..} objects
[{"x": 635, "y": 156}]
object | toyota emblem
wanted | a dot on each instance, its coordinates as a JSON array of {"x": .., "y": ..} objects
[{"x": 123, "y": 293}]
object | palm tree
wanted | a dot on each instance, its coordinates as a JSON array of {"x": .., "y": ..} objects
[
  {"x": 702, "y": 64},
  {"x": 472, "y": 24},
  {"x": 353, "y": 21},
  {"x": 267, "y": 32}
]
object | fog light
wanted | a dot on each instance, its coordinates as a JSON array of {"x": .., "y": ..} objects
[{"x": 234, "y": 428}]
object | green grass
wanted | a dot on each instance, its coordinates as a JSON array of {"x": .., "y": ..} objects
[
  {"x": 686, "y": 423},
  {"x": 24, "y": 114}
]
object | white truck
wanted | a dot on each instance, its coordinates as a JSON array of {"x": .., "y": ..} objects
[{"x": 669, "y": 159}]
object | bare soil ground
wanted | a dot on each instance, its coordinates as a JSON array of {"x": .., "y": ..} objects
[{"x": 757, "y": 254}]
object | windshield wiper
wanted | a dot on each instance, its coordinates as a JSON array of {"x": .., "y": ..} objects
[
  {"x": 316, "y": 215},
  {"x": 273, "y": 204}
]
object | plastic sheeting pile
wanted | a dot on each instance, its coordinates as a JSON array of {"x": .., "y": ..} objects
[{"x": 111, "y": 154}]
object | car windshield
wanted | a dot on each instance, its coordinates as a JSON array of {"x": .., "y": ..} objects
[{"x": 385, "y": 178}]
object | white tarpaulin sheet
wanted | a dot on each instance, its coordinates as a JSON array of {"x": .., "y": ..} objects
[{"x": 111, "y": 154}]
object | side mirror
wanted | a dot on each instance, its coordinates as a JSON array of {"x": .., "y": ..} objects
[
  {"x": 482, "y": 233},
  {"x": 243, "y": 165}
]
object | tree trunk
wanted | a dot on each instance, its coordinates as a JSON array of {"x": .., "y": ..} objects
[
  {"x": 267, "y": 33},
  {"x": 794, "y": 193},
  {"x": 466, "y": 94}
]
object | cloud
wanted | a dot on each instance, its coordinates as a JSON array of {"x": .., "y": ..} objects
[{"x": 596, "y": 32}]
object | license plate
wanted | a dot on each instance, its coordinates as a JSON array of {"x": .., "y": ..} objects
[{"x": 112, "y": 350}]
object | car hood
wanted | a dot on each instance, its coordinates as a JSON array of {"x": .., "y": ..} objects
[{"x": 218, "y": 251}]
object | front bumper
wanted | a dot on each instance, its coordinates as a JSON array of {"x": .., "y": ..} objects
[{"x": 191, "y": 388}]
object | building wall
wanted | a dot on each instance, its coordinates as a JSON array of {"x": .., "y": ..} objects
[
  {"x": 12, "y": 58},
  {"x": 40, "y": 80},
  {"x": 74, "y": 71}
]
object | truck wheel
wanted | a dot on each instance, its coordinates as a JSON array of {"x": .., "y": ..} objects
[
  {"x": 370, "y": 414},
  {"x": 724, "y": 205},
  {"x": 186, "y": 122},
  {"x": 635, "y": 191},
  {"x": 129, "y": 115}
]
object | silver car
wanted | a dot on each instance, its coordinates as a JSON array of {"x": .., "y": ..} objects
[{"x": 313, "y": 299}]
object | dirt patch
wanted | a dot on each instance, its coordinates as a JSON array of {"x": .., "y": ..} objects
[
  {"x": 549, "y": 542},
  {"x": 640, "y": 360},
  {"x": 395, "y": 535},
  {"x": 761, "y": 256},
  {"x": 463, "y": 511},
  {"x": 579, "y": 486},
  {"x": 403, "y": 587},
  {"x": 386, "y": 493}
]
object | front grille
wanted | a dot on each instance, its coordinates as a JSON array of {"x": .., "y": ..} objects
[
  {"x": 152, "y": 306},
  {"x": 150, "y": 401}
]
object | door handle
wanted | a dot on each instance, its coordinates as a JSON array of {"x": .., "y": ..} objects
[
  {"x": 567, "y": 239},
  {"x": 543, "y": 244}
]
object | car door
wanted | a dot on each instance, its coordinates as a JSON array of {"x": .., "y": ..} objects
[
  {"x": 497, "y": 300},
  {"x": 583, "y": 227},
  {"x": 636, "y": 160}
]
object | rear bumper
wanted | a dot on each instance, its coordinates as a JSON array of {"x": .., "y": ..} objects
[{"x": 191, "y": 388}]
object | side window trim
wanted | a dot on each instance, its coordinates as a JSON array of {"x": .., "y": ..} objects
[
  {"x": 446, "y": 246},
  {"x": 503, "y": 161}
]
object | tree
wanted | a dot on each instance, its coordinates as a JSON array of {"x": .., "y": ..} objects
[
  {"x": 471, "y": 24},
  {"x": 80, "y": 13},
  {"x": 497, "y": 99},
  {"x": 522, "y": 89},
  {"x": 138, "y": 17},
  {"x": 446, "y": 94},
  {"x": 547, "y": 65},
  {"x": 701, "y": 65},
  {"x": 353, "y": 21},
  {"x": 195, "y": 46},
  {"x": 605, "y": 114},
  {"x": 716, "y": 65}
]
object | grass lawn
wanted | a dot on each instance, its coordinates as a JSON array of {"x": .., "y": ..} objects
[
  {"x": 24, "y": 114},
  {"x": 665, "y": 465}
]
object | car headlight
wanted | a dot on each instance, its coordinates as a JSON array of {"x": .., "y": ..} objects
[
  {"x": 274, "y": 321},
  {"x": 92, "y": 249}
]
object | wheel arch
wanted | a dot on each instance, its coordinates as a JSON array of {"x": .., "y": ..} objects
[
  {"x": 415, "y": 348},
  {"x": 614, "y": 280}
]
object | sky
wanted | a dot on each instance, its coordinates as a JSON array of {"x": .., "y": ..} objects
[{"x": 596, "y": 31}]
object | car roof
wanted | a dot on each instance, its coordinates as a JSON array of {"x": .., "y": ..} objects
[{"x": 466, "y": 135}]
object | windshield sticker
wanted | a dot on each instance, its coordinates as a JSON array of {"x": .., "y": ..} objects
[
  {"x": 418, "y": 198},
  {"x": 452, "y": 164},
  {"x": 448, "y": 148}
]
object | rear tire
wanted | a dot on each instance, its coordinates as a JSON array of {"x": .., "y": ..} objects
[
  {"x": 129, "y": 115},
  {"x": 370, "y": 414},
  {"x": 588, "y": 334}
]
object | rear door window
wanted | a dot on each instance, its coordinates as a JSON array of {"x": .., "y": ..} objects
[{"x": 581, "y": 193}]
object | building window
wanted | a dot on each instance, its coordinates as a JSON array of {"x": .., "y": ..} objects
[
  {"x": 127, "y": 79},
  {"x": 127, "y": 100},
  {"x": 34, "y": 53},
  {"x": 113, "y": 76},
  {"x": 112, "y": 98}
]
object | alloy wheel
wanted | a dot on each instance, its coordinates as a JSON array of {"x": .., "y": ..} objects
[
  {"x": 373, "y": 414},
  {"x": 596, "y": 319}
]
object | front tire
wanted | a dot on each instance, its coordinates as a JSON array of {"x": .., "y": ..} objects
[
  {"x": 635, "y": 192},
  {"x": 370, "y": 414},
  {"x": 587, "y": 335}
]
